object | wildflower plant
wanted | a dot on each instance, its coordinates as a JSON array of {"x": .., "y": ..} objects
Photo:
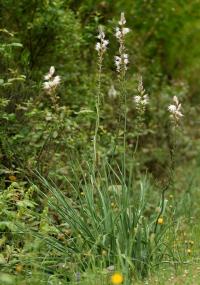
[
  {"x": 51, "y": 82},
  {"x": 121, "y": 62},
  {"x": 175, "y": 110},
  {"x": 50, "y": 85},
  {"x": 101, "y": 47},
  {"x": 175, "y": 116},
  {"x": 141, "y": 101},
  {"x": 98, "y": 215}
]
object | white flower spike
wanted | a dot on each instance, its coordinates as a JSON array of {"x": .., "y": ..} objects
[
  {"x": 101, "y": 46},
  {"x": 142, "y": 99},
  {"x": 174, "y": 109},
  {"x": 121, "y": 60},
  {"x": 51, "y": 82}
]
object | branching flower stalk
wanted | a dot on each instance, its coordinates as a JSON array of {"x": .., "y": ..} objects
[
  {"x": 121, "y": 62},
  {"x": 175, "y": 115},
  {"x": 141, "y": 101},
  {"x": 101, "y": 47},
  {"x": 50, "y": 85}
]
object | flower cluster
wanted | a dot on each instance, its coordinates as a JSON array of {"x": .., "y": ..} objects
[
  {"x": 51, "y": 82},
  {"x": 174, "y": 109},
  {"x": 101, "y": 46},
  {"x": 121, "y": 61},
  {"x": 142, "y": 99},
  {"x": 160, "y": 221},
  {"x": 121, "y": 31}
]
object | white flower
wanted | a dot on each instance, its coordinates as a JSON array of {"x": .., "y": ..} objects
[
  {"x": 174, "y": 109},
  {"x": 118, "y": 33},
  {"x": 121, "y": 61},
  {"x": 125, "y": 57},
  {"x": 101, "y": 34},
  {"x": 52, "y": 70},
  {"x": 142, "y": 99},
  {"x": 122, "y": 19},
  {"x": 46, "y": 85},
  {"x": 51, "y": 82},
  {"x": 105, "y": 43},
  {"x": 112, "y": 93},
  {"x": 175, "y": 99},
  {"x": 56, "y": 80},
  {"x": 50, "y": 73},
  {"x": 121, "y": 32},
  {"x": 137, "y": 99},
  {"x": 118, "y": 62},
  {"x": 145, "y": 100},
  {"x": 101, "y": 46},
  {"x": 125, "y": 31},
  {"x": 98, "y": 46}
]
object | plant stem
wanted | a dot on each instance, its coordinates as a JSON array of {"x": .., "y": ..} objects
[{"x": 98, "y": 101}]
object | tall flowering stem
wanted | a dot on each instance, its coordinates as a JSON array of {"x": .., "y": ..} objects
[
  {"x": 101, "y": 47},
  {"x": 121, "y": 62},
  {"x": 141, "y": 101},
  {"x": 175, "y": 116}
]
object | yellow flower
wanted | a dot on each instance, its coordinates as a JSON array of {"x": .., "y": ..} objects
[
  {"x": 189, "y": 251},
  {"x": 116, "y": 278},
  {"x": 18, "y": 268},
  {"x": 160, "y": 221},
  {"x": 12, "y": 178}
]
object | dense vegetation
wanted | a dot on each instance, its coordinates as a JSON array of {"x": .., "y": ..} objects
[{"x": 99, "y": 142}]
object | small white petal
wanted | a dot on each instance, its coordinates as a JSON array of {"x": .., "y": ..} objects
[
  {"x": 46, "y": 85},
  {"x": 175, "y": 99},
  {"x": 179, "y": 114},
  {"x": 122, "y": 19},
  {"x": 172, "y": 108},
  {"x": 47, "y": 76},
  {"x": 101, "y": 35},
  {"x": 56, "y": 80},
  {"x": 145, "y": 102},
  {"x": 98, "y": 46},
  {"x": 52, "y": 70},
  {"x": 126, "y": 61},
  {"x": 137, "y": 99},
  {"x": 125, "y": 31},
  {"x": 118, "y": 33}
]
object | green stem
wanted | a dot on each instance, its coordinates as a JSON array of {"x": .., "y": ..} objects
[
  {"x": 171, "y": 176},
  {"x": 97, "y": 112}
]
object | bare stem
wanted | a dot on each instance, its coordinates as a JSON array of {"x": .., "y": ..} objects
[{"x": 98, "y": 102}]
